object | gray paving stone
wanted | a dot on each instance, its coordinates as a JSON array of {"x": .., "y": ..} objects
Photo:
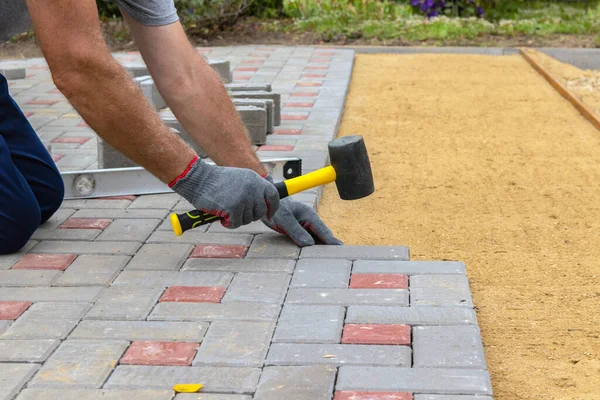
[
  {"x": 163, "y": 201},
  {"x": 223, "y": 68},
  {"x": 128, "y": 303},
  {"x": 8, "y": 260},
  {"x": 173, "y": 278},
  {"x": 26, "y": 350},
  {"x": 73, "y": 247},
  {"x": 60, "y": 216},
  {"x": 28, "y": 328},
  {"x": 348, "y": 297},
  {"x": 66, "y": 234},
  {"x": 338, "y": 354},
  {"x": 440, "y": 291},
  {"x": 167, "y": 256},
  {"x": 255, "y": 120},
  {"x": 80, "y": 363},
  {"x": 13, "y": 377},
  {"x": 240, "y": 265},
  {"x": 449, "y": 397},
  {"x": 122, "y": 214},
  {"x": 61, "y": 294},
  {"x": 356, "y": 252},
  {"x": 296, "y": 383},
  {"x": 409, "y": 267},
  {"x": 94, "y": 394},
  {"x": 56, "y": 310},
  {"x": 448, "y": 347},
  {"x": 411, "y": 315},
  {"x": 275, "y": 97},
  {"x": 235, "y": 343},
  {"x": 141, "y": 330},
  {"x": 255, "y": 227},
  {"x": 209, "y": 396},
  {"x": 257, "y": 287},
  {"x": 320, "y": 273},
  {"x": 129, "y": 230},
  {"x": 196, "y": 237},
  {"x": 20, "y": 277},
  {"x": 96, "y": 204},
  {"x": 4, "y": 325},
  {"x": 310, "y": 324},
  {"x": 89, "y": 270},
  {"x": 12, "y": 73},
  {"x": 420, "y": 380},
  {"x": 248, "y": 87},
  {"x": 272, "y": 245},
  {"x": 214, "y": 312},
  {"x": 213, "y": 379},
  {"x": 266, "y": 104}
]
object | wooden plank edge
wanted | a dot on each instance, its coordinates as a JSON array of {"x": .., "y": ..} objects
[{"x": 588, "y": 113}]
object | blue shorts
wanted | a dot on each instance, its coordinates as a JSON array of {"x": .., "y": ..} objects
[{"x": 31, "y": 188}]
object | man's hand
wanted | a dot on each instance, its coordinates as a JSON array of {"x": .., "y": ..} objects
[
  {"x": 300, "y": 223},
  {"x": 237, "y": 195}
]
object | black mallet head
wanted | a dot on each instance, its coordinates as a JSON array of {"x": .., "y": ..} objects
[{"x": 349, "y": 158}]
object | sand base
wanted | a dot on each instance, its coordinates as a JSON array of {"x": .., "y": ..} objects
[{"x": 478, "y": 159}]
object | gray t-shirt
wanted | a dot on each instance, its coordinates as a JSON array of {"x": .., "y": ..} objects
[{"x": 14, "y": 17}]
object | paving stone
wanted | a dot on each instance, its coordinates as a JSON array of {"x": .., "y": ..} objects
[
  {"x": 420, "y": 380},
  {"x": 13, "y": 73},
  {"x": 140, "y": 330},
  {"x": 159, "y": 353},
  {"x": 440, "y": 291},
  {"x": 173, "y": 278},
  {"x": 151, "y": 92},
  {"x": 85, "y": 223},
  {"x": 193, "y": 294},
  {"x": 45, "y": 261},
  {"x": 257, "y": 287},
  {"x": 255, "y": 119},
  {"x": 93, "y": 271},
  {"x": 122, "y": 214},
  {"x": 28, "y": 278},
  {"x": 102, "y": 203},
  {"x": 129, "y": 230},
  {"x": 214, "y": 379},
  {"x": 66, "y": 234},
  {"x": 411, "y": 315},
  {"x": 272, "y": 245},
  {"x": 240, "y": 265},
  {"x": 218, "y": 251},
  {"x": 255, "y": 227},
  {"x": 125, "y": 303},
  {"x": 376, "y": 334},
  {"x": 29, "y": 328},
  {"x": 338, "y": 354},
  {"x": 249, "y": 311},
  {"x": 265, "y": 104},
  {"x": 352, "y": 395},
  {"x": 310, "y": 324},
  {"x": 376, "y": 281},
  {"x": 275, "y": 97},
  {"x": 223, "y": 68},
  {"x": 58, "y": 310},
  {"x": 4, "y": 325},
  {"x": 123, "y": 248},
  {"x": 449, "y": 397},
  {"x": 409, "y": 267},
  {"x": 209, "y": 396},
  {"x": 314, "y": 272},
  {"x": 80, "y": 363},
  {"x": 163, "y": 201},
  {"x": 8, "y": 260},
  {"x": 94, "y": 394},
  {"x": 167, "y": 256},
  {"x": 35, "y": 294},
  {"x": 248, "y": 87},
  {"x": 13, "y": 377},
  {"x": 196, "y": 237},
  {"x": 297, "y": 383},
  {"x": 235, "y": 343},
  {"x": 26, "y": 350},
  {"x": 356, "y": 252},
  {"x": 348, "y": 297},
  {"x": 448, "y": 346}
]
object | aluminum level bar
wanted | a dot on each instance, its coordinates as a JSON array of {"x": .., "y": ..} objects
[{"x": 138, "y": 181}]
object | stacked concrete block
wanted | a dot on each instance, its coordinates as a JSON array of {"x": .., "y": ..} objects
[
  {"x": 266, "y": 104},
  {"x": 136, "y": 70},
  {"x": 248, "y": 87},
  {"x": 150, "y": 91},
  {"x": 177, "y": 128},
  {"x": 13, "y": 73},
  {"x": 255, "y": 120},
  {"x": 275, "y": 97},
  {"x": 223, "y": 68}
]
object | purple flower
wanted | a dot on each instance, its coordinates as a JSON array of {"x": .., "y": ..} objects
[{"x": 415, "y": 3}]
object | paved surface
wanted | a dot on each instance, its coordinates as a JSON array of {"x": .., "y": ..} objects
[{"x": 106, "y": 303}]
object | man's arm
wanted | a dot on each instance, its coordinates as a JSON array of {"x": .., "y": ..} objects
[
  {"x": 195, "y": 94},
  {"x": 101, "y": 90}
]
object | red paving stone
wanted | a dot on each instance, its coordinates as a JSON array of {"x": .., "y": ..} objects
[
  {"x": 320, "y": 60},
  {"x": 41, "y": 67},
  {"x": 379, "y": 281},
  {"x": 299, "y": 104},
  {"x": 83, "y": 124},
  {"x": 265, "y": 48},
  {"x": 309, "y": 84},
  {"x": 259, "y": 55},
  {"x": 317, "y": 67},
  {"x": 323, "y": 53},
  {"x": 274, "y": 147},
  {"x": 288, "y": 131},
  {"x": 241, "y": 78},
  {"x": 42, "y": 102},
  {"x": 58, "y": 262},
  {"x": 193, "y": 294},
  {"x": 256, "y": 62},
  {"x": 57, "y": 157},
  {"x": 54, "y": 91},
  {"x": 304, "y": 94},
  {"x": 85, "y": 223},
  {"x": 291, "y": 117},
  {"x": 159, "y": 353},
  {"x": 28, "y": 114},
  {"x": 312, "y": 76},
  {"x": 218, "y": 251},
  {"x": 80, "y": 140},
  {"x": 245, "y": 69},
  {"x": 11, "y": 310},
  {"x": 372, "y": 396},
  {"x": 376, "y": 334}
]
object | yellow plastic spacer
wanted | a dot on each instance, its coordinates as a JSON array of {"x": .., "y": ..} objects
[
  {"x": 187, "y": 387},
  {"x": 176, "y": 224}
]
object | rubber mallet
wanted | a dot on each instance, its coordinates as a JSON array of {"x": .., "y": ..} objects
[{"x": 350, "y": 169}]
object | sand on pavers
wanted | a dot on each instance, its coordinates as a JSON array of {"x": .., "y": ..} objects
[{"x": 478, "y": 159}]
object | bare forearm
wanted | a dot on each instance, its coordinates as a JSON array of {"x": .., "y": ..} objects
[{"x": 126, "y": 120}]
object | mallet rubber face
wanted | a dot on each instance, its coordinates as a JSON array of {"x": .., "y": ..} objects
[{"x": 350, "y": 160}]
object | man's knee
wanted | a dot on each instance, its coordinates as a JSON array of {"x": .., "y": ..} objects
[
  {"x": 53, "y": 199},
  {"x": 17, "y": 225}
]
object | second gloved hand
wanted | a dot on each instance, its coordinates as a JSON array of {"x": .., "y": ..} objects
[{"x": 237, "y": 195}]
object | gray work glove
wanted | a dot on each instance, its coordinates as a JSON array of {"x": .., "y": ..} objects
[
  {"x": 300, "y": 222},
  {"x": 237, "y": 195}
]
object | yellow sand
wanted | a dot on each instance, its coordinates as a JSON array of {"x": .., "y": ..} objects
[{"x": 478, "y": 159}]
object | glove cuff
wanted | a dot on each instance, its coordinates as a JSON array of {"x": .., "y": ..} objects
[
  {"x": 194, "y": 181},
  {"x": 185, "y": 172}
]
